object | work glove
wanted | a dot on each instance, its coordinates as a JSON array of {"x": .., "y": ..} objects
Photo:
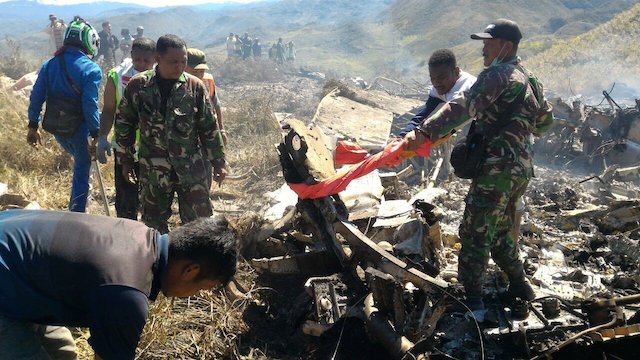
[{"x": 104, "y": 148}]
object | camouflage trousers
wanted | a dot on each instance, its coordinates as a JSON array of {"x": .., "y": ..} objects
[
  {"x": 485, "y": 229},
  {"x": 159, "y": 183}
]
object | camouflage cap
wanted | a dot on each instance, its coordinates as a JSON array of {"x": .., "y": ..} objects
[
  {"x": 500, "y": 29},
  {"x": 196, "y": 59}
]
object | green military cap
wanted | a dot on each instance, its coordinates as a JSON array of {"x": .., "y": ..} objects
[{"x": 196, "y": 59}]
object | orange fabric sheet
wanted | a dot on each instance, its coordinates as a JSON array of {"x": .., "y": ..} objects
[{"x": 392, "y": 155}]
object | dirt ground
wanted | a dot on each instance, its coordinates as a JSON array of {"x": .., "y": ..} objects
[{"x": 266, "y": 323}]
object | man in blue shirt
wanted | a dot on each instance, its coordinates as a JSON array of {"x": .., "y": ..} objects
[
  {"x": 80, "y": 42},
  {"x": 67, "y": 269}
]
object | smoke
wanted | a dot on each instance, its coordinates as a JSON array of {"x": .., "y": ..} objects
[{"x": 593, "y": 62}]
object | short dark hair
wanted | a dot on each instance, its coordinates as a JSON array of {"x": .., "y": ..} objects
[
  {"x": 143, "y": 44},
  {"x": 443, "y": 57},
  {"x": 105, "y": 23},
  {"x": 209, "y": 242},
  {"x": 169, "y": 41}
]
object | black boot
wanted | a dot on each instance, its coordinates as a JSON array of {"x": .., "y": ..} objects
[
  {"x": 475, "y": 304},
  {"x": 521, "y": 288}
]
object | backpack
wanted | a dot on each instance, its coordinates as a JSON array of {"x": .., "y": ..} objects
[
  {"x": 63, "y": 115},
  {"x": 468, "y": 155}
]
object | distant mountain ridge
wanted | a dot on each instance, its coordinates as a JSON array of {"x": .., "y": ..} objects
[
  {"x": 427, "y": 25},
  {"x": 593, "y": 61},
  {"x": 365, "y": 38}
]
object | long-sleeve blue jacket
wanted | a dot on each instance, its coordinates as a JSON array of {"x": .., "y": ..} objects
[
  {"x": 51, "y": 79},
  {"x": 431, "y": 104}
]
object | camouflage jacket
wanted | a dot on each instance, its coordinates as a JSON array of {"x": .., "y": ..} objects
[
  {"x": 188, "y": 126},
  {"x": 497, "y": 87}
]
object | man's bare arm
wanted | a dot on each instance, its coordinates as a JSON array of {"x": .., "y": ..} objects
[{"x": 108, "y": 109}]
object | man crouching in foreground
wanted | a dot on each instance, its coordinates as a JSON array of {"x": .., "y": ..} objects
[{"x": 68, "y": 269}]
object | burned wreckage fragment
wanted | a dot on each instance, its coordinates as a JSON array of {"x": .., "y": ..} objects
[
  {"x": 390, "y": 267},
  {"x": 592, "y": 136}
]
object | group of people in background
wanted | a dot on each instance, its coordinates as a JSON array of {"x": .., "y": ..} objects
[
  {"x": 110, "y": 43},
  {"x": 244, "y": 47}
]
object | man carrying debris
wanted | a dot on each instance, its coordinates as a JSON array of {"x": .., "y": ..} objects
[
  {"x": 142, "y": 59},
  {"x": 66, "y": 269},
  {"x": 172, "y": 110},
  {"x": 69, "y": 84},
  {"x": 508, "y": 104}
]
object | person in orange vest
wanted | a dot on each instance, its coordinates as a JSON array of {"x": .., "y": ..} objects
[{"x": 196, "y": 66}]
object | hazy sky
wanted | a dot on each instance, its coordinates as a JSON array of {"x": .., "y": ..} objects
[{"x": 144, "y": 2}]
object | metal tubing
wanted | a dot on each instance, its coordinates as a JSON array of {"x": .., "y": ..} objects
[
  {"x": 575, "y": 337},
  {"x": 104, "y": 194},
  {"x": 381, "y": 331}
]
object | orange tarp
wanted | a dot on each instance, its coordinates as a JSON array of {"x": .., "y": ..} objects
[{"x": 347, "y": 153}]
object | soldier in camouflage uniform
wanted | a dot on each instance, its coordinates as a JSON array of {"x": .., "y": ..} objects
[
  {"x": 174, "y": 115},
  {"x": 503, "y": 88}
]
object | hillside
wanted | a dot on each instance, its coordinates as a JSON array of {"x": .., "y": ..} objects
[
  {"x": 349, "y": 38},
  {"x": 593, "y": 61},
  {"x": 427, "y": 25},
  {"x": 26, "y": 16}
]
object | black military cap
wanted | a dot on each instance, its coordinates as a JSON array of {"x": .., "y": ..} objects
[{"x": 500, "y": 29}]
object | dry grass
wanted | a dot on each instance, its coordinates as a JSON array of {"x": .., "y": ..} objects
[
  {"x": 253, "y": 132},
  {"x": 41, "y": 174},
  {"x": 206, "y": 326},
  {"x": 202, "y": 327},
  {"x": 15, "y": 64}
]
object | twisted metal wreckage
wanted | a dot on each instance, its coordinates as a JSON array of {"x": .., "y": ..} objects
[{"x": 396, "y": 281}]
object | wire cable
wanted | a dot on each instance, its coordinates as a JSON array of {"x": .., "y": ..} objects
[{"x": 482, "y": 350}]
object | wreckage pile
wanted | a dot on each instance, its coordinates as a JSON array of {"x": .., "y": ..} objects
[
  {"x": 384, "y": 254},
  {"x": 379, "y": 260}
]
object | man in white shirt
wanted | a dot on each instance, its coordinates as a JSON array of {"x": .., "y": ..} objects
[
  {"x": 231, "y": 45},
  {"x": 448, "y": 83}
]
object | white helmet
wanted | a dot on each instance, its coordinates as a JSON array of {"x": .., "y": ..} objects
[{"x": 82, "y": 35}]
